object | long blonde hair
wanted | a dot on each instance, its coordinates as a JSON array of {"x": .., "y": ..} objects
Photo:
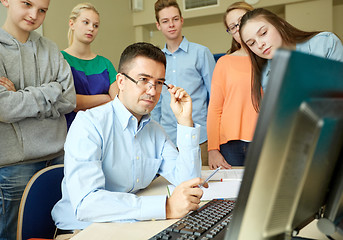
[
  {"x": 75, "y": 13},
  {"x": 237, "y": 5}
]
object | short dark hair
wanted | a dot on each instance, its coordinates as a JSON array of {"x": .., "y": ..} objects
[
  {"x": 140, "y": 49},
  {"x": 162, "y": 4}
]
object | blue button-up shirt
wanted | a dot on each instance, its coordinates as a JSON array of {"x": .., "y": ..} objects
[
  {"x": 324, "y": 44},
  {"x": 190, "y": 67},
  {"x": 109, "y": 156}
]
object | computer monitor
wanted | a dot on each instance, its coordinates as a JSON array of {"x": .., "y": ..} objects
[{"x": 294, "y": 165}]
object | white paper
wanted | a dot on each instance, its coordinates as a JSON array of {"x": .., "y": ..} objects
[
  {"x": 225, "y": 174},
  {"x": 226, "y": 189}
]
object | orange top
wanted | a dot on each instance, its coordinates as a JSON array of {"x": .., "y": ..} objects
[{"x": 231, "y": 115}]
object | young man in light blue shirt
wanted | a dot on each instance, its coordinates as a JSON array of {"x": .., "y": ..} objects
[
  {"x": 189, "y": 65},
  {"x": 114, "y": 150}
]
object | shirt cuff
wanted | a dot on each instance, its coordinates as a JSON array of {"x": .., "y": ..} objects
[
  {"x": 188, "y": 136},
  {"x": 153, "y": 207}
]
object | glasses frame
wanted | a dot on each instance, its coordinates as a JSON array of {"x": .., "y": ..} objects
[
  {"x": 235, "y": 26},
  {"x": 150, "y": 84}
]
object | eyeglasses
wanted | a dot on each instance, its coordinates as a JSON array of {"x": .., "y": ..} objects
[
  {"x": 144, "y": 83},
  {"x": 233, "y": 28}
]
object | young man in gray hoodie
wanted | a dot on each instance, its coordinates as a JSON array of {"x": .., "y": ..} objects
[{"x": 36, "y": 90}]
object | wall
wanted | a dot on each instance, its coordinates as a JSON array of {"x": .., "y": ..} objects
[
  {"x": 338, "y": 19},
  {"x": 115, "y": 33},
  {"x": 2, "y": 14},
  {"x": 205, "y": 26},
  {"x": 121, "y": 27},
  {"x": 211, "y": 32},
  {"x": 314, "y": 15},
  {"x": 116, "y": 27}
]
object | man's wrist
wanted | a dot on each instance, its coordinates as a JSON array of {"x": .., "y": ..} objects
[{"x": 187, "y": 123}]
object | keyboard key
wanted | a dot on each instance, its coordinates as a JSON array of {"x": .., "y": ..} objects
[{"x": 187, "y": 231}]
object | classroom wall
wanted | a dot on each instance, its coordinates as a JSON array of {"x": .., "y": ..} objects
[
  {"x": 314, "y": 15},
  {"x": 120, "y": 26},
  {"x": 338, "y": 19},
  {"x": 205, "y": 26},
  {"x": 116, "y": 29},
  {"x": 2, "y": 14}
]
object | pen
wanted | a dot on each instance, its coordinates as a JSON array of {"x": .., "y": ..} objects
[
  {"x": 209, "y": 177},
  {"x": 229, "y": 179}
]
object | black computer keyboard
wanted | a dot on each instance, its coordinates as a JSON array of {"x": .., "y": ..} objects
[{"x": 208, "y": 222}]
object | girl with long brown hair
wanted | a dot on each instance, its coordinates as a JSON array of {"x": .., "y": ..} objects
[{"x": 263, "y": 32}]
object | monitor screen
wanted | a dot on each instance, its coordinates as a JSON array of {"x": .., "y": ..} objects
[{"x": 293, "y": 170}]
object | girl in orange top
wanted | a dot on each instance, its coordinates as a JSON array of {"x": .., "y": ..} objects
[{"x": 231, "y": 116}]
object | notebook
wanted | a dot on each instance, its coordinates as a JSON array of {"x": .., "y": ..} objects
[{"x": 224, "y": 184}]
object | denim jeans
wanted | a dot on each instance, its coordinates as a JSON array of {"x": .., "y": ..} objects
[
  {"x": 13, "y": 180},
  {"x": 234, "y": 152}
]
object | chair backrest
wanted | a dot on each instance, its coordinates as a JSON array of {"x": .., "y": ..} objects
[
  {"x": 218, "y": 55},
  {"x": 39, "y": 197}
]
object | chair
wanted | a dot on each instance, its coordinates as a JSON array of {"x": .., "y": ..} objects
[
  {"x": 39, "y": 197},
  {"x": 218, "y": 55}
]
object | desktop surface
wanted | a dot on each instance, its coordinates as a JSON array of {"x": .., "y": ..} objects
[{"x": 144, "y": 230}]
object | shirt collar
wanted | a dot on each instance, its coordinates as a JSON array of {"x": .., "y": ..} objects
[
  {"x": 126, "y": 118},
  {"x": 183, "y": 46}
]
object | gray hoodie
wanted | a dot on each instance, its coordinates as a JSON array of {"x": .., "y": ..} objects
[{"x": 32, "y": 122}]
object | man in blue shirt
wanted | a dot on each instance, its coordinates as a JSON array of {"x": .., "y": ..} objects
[
  {"x": 114, "y": 150},
  {"x": 189, "y": 65}
]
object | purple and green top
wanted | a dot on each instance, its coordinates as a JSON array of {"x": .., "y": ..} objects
[{"x": 91, "y": 77}]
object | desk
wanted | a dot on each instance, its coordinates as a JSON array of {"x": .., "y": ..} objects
[
  {"x": 136, "y": 230},
  {"x": 145, "y": 229}
]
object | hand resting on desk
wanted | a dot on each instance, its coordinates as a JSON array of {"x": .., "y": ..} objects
[{"x": 185, "y": 198}]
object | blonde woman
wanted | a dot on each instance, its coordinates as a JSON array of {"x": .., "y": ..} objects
[
  {"x": 231, "y": 116},
  {"x": 94, "y": 75}
]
